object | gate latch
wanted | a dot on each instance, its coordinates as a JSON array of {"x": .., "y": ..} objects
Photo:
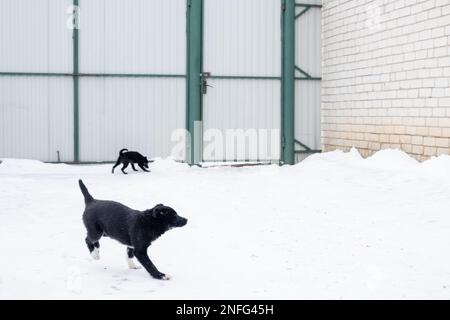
[{"x": 204, "y": 84}]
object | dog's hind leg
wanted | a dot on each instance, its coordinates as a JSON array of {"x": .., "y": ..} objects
[
  {"x": 117, "y": 163},
  {"x": 93, "y": 235},
  {"x": 94, "y": 248},
  {"x": 130, "y": 256},
  {"x": 124, "y": 167},
  {"x": 134, "y": 168}
]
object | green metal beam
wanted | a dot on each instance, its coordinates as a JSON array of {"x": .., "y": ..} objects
[
  {"x": 245, "y": 77},
  {"x": 35, "y": 74},
  {"x": 132, "y": 75},
  {"x": 288, "y": 82},
  {"x": 307, "y": 151},
  {"x": 76, "y": 92},
  {"x": 302, "y": 144},
  {"x": 193, "y": 85},
  {"x": 306, "y": 74},
  {"x": 108, "y": 75},
  {"x": 308, "y": 5},
  {"x": 309, "y": 79},
  {"x": 302, "y": 12}
]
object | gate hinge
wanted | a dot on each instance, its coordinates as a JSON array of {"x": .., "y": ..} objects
[
  {"x": 283, "y": 5},
  {"x": 283, "y": 141}
]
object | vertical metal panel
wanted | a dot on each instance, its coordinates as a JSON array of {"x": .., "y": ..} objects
[
  {"x": 137, "y": 36},
  {"x": 288, "y": 82},
  {"x": 308, "y": 47},
  {"x": 60, "y": 36},
  {"x": 76, "y": 80},
  {"x": 194, "y": 39},
  {"x": 34, "y": 36},
  {"x": 242, "y": 37},
  {"x": 307, "y": 113},
  {"x": 307, "y": 93},
  {"x": 60, "y": 115},
  {"x": 133, "y": 36},
  {"x": 134, "y": 113},
  {"x": 242, "y": 104},
  {"x": 36, "y": 118}
]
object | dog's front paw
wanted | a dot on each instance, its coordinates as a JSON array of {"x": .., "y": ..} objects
[
  {"x": 95, "y": 254},
  {"x": 166, "y": 277},
  {"x": 161, "y": 276}
]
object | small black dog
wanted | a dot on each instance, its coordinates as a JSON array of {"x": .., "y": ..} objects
[
  {"x": 131, "y": 157},
  {"x": 133, "y": 228}
]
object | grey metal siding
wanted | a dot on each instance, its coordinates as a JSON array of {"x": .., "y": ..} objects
[
  {"x": 138, "y": 36},
  {"x": 242, "y": 38},
  {"x": 34, "y": 36},
  {"x": 308, "y": 92},
  {"x": 36, "y": 118},
  {"x": 35, "y": 112},
  {"x": 141, "y": 37},
  {"x": 134, "y": 113},
  {"x": 132, "y": 74}
]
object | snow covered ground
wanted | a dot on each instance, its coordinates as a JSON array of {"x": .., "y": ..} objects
[{"x": 334, "y": 226}]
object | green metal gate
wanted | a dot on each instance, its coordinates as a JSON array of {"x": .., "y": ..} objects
[
  {"x": 275, "y": 86},
  {"x": 199, "y": 78}
]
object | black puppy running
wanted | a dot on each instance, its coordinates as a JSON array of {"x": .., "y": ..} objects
[
  {"x": 131, "y": 157},
  {"x": 133, "y": 228}
]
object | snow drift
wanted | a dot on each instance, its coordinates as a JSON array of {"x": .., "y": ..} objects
[{"x": 334, "y": 226}]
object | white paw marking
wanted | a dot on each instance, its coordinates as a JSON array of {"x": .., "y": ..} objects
[
  {"x": 166, "y": 277},
  {"x": 131, "y": 264},
  {"x": 95, "y": 254}
]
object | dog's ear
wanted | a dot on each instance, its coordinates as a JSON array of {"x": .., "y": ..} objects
[{"x": 157, "y": 210}]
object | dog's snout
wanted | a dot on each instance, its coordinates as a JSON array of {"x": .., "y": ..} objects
[{"x": 182, "y": 222}]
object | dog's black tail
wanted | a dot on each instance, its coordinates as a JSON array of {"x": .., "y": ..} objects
[
  {"x": 122, "y": 151},
  {"x": 87, "y": 196}
]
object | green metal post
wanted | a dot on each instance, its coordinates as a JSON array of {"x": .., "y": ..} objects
[
  {"x": 194, "y": 68},
  {"x": 76, "y": 136},
  {"x": 288, "y": 82}
]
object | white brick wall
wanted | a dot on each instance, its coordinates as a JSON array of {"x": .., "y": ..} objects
[{"x": 386, "y": 75}]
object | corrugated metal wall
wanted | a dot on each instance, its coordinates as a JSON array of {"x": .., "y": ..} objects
[
  {"x": 34, "y": 36},
  {"x": 36, "y": 118},
  {"x": 133, "y": 36},
  {"x": 307, "y": 92},
  {"x": 132, "y": 87},
  {"x": 116, "y": 37},
  {"x": 243, "y": 104},
  {"x": 140, "y": 113},
  {"x": 242, "y": 38},
  {"x": 35, "y": 112}
]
